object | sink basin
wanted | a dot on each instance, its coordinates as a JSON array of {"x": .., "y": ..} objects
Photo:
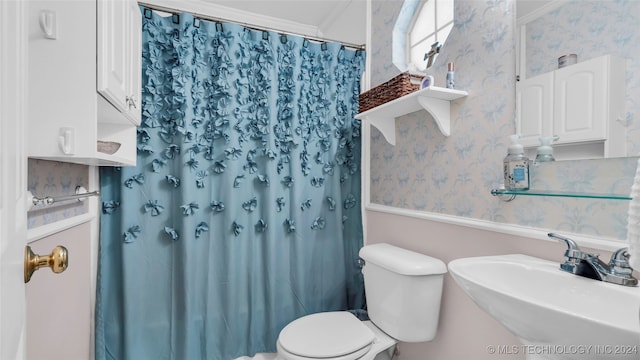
[{"x": 555, "y": 314}]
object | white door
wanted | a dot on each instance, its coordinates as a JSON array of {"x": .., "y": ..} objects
[
  {"x": 44, "y": 335},
  {"x": 13, "y": 183}
]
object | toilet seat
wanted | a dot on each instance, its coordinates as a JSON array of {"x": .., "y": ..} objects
[{"x": 328, "y": 335}]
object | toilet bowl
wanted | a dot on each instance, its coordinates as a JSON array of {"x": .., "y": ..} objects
[{"x": 403, "y": 291}]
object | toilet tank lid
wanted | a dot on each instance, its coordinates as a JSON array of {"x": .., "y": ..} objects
[{"x": 402, "y": 261}]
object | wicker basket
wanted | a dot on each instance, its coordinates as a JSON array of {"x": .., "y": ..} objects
[{"x": 397, "y": 87}]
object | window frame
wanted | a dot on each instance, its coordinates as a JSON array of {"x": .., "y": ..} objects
[{"x": 436, "y": 31}]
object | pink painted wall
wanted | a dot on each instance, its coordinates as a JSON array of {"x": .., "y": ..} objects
[
  {"x": 59, "y": 313},
  {"x": 464, "y": 330}
]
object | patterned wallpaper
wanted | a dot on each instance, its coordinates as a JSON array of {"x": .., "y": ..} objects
[
  {"x": 591, "y": 29},
  {"x": 52, "y": 178},
  {"x": 384, "y": 15},
  {"x": 427, "y": 171}
]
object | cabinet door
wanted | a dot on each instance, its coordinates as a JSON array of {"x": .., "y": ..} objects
[
  {"x": 134, "y": 67},
  {"x": 581, "y": 102},
  {"x": 534, "y": 108},
  {"x": 119, "y": 55},
  {"x": 113, "y": 43}
]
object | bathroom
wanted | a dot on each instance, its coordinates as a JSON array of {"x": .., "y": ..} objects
[{"x": 445, "y": 208}]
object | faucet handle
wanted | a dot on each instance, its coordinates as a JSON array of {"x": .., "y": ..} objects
[
  {"x": 573, "y": 250},
  {"x": 572, "y": 245},
  {"x": 619, "y": 263},
  {"x": 572, "y": 257}
]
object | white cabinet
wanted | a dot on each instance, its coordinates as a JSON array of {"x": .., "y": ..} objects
[
  {"x": 119, "y": 59},
  {"x": 581, "y": 103},
  {"x": 534, "y": 106},
  {"x": 84, "y": 80}
]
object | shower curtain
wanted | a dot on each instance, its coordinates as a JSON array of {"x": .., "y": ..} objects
[{"x": 243, "y": 212}]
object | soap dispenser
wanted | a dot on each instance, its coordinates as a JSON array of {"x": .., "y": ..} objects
[
  {"x": 545, "y": 151},
  {"x": 451, "y": 79},
  {"x": 516, "y": 166}
]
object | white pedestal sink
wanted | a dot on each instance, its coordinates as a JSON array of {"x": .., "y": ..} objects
[{"x": 555, "y": 314}]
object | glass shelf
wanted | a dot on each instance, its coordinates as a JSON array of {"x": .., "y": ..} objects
[{"x": 531, "y": 192}]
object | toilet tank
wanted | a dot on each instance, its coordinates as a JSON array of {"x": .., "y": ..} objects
[{"x": 403, "y": 291}]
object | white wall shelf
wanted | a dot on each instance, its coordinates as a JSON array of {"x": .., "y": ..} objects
[{"x": 435, "y": 100}]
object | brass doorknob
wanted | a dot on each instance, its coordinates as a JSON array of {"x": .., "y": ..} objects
[{"x": 57, "y": 261}]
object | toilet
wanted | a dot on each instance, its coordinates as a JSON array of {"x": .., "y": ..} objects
[{"x": 403, "y": 291}]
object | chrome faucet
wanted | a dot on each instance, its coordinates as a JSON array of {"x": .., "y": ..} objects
[{"x": 589, "y": 265}]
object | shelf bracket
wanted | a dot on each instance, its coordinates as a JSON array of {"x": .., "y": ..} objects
[
  {"x": 502, "y": 196},
  {"x": 440, "y": 110},
  {"x": 386, "y": 126},
  {"x": 436, "y": 101}
]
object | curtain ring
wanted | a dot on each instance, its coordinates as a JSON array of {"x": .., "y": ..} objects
[
  {"x": 265, "y": 35},
  {"x": 175, "y": 18},
  {"x": 147, "y": 13},
  {"x": 283, "y": 38},
  {"x": 305, "y": 43},
  {"x": 323, "y": 47},
  {"x": 219, "y": 27},
  {"x": 196, "y": 23}
]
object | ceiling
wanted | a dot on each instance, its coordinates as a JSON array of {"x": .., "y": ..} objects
[
  {"x": 337, "y": 20},
  {"x": 340, "y": 20},
  {"x": 524, "y": 7}
]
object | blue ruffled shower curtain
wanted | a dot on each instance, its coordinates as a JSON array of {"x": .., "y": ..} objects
[{"x": 243, "y": 212}]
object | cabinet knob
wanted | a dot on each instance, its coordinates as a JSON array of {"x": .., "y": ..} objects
[{"x": 132, "y": 102}]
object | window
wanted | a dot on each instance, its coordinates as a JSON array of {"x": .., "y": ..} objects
[{"x": 430, "y": 21}]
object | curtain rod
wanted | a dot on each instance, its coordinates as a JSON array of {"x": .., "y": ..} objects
[{"x": 250, "y": 26}]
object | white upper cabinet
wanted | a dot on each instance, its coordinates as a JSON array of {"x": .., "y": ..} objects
[
  {"x": 534, "y": 106},
  {"x": 589, "y": 95},
  {"x": 84, "y": 81},
  {"x": 581, "y": 103},
  {"x": 119, "y": 56}
]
